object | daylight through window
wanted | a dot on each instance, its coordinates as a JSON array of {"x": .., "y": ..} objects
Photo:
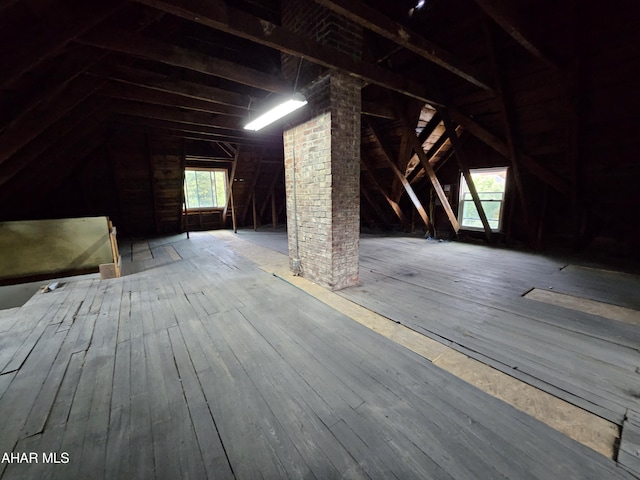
[
  {"x": 490, "y": 184},
  {"x": 205, "y": 188}
]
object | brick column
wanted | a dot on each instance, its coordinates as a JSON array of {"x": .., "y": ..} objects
[{"x": 322, "y": 156}]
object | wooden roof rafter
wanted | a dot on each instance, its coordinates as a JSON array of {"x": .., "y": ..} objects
[
  {"x": 506, "y": 14},
  {"x": 398, "y": 175},
  {"x": 155, "y": 81},
  {"x": 69, "y": 24},
  {"x": 368, "y": 17},
  {"x": 130, "y": 43},
  {"x": 222, "y": 17},
  {"x": 364, "y": 161},
  {"x": 142, "y": 94}
]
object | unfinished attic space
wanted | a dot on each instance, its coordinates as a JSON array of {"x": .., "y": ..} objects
[{"x": 426, "y": 266}]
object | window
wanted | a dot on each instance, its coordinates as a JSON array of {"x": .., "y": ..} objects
[
  {"x": 490, "y": 184},
  {"x": 205, "y": 188}
]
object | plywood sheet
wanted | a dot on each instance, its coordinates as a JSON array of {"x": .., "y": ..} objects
[{"x": 40, "y": 248}]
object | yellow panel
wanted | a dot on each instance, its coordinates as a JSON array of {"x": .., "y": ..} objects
[{"x": 42, "y": 247}]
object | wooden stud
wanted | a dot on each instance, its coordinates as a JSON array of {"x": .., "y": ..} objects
[
  {"x": 161, "y": 83},
  {"x": 135, "y": 93},
  {"x": 66, "y": 24},
  {"x": 367, "y": 196}
]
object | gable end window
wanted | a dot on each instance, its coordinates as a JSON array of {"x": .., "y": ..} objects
[
  {"x": 490, "y": 184},
  {"x": 205, "y": 188}
]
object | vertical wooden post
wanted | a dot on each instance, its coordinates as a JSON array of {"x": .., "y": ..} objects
[
  {"x": 507, "y": 122},
  {"x": 152, "y": 183},
  {"x": 274, "y": 214},
  {"x": 183, "y": 165},
  {"x": 233, "y": 214},
  {"x": 255, "y": 213}
]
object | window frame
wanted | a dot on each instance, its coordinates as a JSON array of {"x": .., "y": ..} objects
[
  {"x": 462, "y": 201},
  {"x": 214, "y": 170}
]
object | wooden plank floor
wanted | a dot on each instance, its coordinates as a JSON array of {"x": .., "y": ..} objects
[
  {"x": 470, "y": 297},
  {"x": 199, "y": 365}
]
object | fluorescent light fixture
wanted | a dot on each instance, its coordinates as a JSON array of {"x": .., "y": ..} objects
[{"x": 277, "y": 112}]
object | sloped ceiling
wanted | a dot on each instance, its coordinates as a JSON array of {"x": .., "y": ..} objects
[{"x": 545, "y": 86}]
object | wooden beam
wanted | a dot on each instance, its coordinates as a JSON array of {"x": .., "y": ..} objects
[
  {"x": 58, "y": 160},
  {"x": 433, "y": 178},
  {"x": 377, "y": 109},
  {"x": 365, "y": 193},
  {"x": 70, "y": 23},
  {"x": 508, "y": 122},
  {"x": 123, "y": 91},
  {"x": 441, "y": 143},
  {"x": 457, "y": 147},
  {"x": 68, "y": 66},
  {"x": 424, "y": 161},
  {"x": 500, "y": 146},
  {"x": 198, "y": 132},
  {"x": 393, "y": 204},
  {"x": 152, "y": 183},
  {"x": 162, "y": 83},
  {"x": 399, "y": 175},
  {"x": 39, "y": 119},
  {"x": 227, "y": 19},
  {"x": 173, "y": 114},
  {"x": 138, "y": 45},
  {"x": 506, "y": 14},
  {"x": 63, "y": 130},
  {"x": 255, "y": 212},
  {"x": 254, "y": 181},
  {"x": 274, "y": 212},
  {"x": 370, "y": 18}
]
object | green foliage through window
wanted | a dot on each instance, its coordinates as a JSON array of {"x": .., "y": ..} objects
[
  {"x": 205, "y": 188},
  {"x": 490, "y": 184}
]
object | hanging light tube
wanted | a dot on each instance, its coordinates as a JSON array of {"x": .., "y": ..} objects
[{"x": 285, "y": 108}]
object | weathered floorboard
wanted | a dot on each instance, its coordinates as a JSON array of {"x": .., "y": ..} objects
[{"x": 207, "y": 367}]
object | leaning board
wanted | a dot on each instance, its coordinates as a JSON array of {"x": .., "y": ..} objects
[{"x": 38, "y": 249}]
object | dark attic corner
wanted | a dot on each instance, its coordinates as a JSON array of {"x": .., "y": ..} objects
[{"x": 427, "y": 270}]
